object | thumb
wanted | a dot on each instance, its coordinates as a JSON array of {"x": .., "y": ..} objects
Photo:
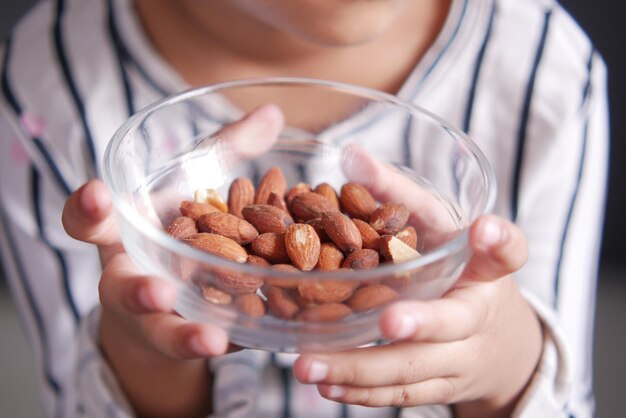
[
  {"x": 88, "y": 217},
  {"x": 499, "y": 249}
]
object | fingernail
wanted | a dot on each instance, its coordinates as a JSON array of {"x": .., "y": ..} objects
[
  {"x": 335, "y": 392},
  {"x": 197, "y": 346},
  {"x": 491, "y": 233},
  {"x": 318, "y": 371},
  {"x": 145, "y": 299},
  {"x": 87, "y": 200},
  {"x": 406, "y": 325}
]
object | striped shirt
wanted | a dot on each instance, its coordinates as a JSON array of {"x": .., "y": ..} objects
[{"x": 519, "y": 76}]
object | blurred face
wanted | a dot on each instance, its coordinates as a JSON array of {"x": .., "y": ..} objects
[{"x": 321, "y": 22}]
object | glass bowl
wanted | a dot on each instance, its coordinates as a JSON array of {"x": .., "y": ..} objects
[{"x": 333, "y": 133}]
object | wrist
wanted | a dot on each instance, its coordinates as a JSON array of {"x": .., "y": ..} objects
[{"x": 156, "y": 385}]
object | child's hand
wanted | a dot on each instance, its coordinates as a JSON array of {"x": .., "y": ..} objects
[
  {"x": 149, "y": 347},
  {"x": 476, "y": 347}
]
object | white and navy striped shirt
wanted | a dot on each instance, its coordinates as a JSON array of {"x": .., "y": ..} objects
[{"x": 519, "y": 76}]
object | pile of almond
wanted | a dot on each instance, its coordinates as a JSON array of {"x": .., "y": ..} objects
[{"x": 295, "y": 231}]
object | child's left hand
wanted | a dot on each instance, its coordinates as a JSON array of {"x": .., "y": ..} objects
[{"x": 476, "y": 347}]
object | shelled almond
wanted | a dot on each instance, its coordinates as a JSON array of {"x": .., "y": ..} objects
[{"x": 294, "y": 231}]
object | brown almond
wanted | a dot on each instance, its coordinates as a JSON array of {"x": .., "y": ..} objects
[
  {"x": 215, "y": 295},
  {"x": 271, "y": 246},
  {"x": 330, "y": 257},
  {"x": 240, "y": 195},
  {"x": 329, "y": 193},
  {"x": 369, "y": 297},
  {"x": 303, "y": 246},
  {"x": 281, "y": 303},
  {"x": 395, "y": 250},
  {"x": 238, "y": 283},
  {"x": 218, "y": 245},
  {"x": 296, "y": 190},
  {"x": 328, "y": 312},
  {"x": 389, "y": 218},
  {"x": 267, "y": 218},
  {"x": 289, "y": 282},
  {"x": 194, "y": 210},
  {"x": 342, "y": 231},
  {"x": 357, "y": 201},
  {"x": 310, "y": 205},
  {"x": 325, "y": 291},
  {"x": 258, "y": 261},
  {"x": 316, "y": 223},
  {"x": 230, "y": 226},
  {"x": 408, "y": 235},
  {"x": 278, "y": 201},
  {"x": 362, "y": 259},
  {"x": 181, "y": 227},
  {"x": 272, "y": 182},
  {"x": 250, "y": 304},
  {"x": 368, "y": 234}
]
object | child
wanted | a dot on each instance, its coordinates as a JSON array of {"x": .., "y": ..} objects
[{"x": 518, "y": 75}]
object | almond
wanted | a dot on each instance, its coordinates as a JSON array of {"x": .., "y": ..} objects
[
  {"x": 230, "y": 226},
  {"x": 330, "y": 257},
  {"x": 303, "y": 246},
  {"x": 276, "y": 200},
  {"x": 194, "y": 210},
  {"x": 368, "y": 234},
  {"x": 327, "y": 312},
  {"x": 296, "y": 190},
  {"x": 395, "y": 250},
  {"x": 357, "y": 201},
  {"x": 181, "y": 227},
  {"x": 258, "y": 261},
  {"x": 272, "y": 182},
  {"x": 238, "y": 283},
  {"x": 212, "y": 197},
  {"x": 281, "y": 303},
  {"x": 310, "y": 205},
  {"x": 342, "y": 231},
  {"x": 369, "y": 297},
  {"x": 329, "y": 193},
  {"x": 389, "y": 218},
  {"x": 219, "y": 246},
  {"x": 240, "y": 195},
  {"x": 215, "y": 295},
  {"x": 270, "y": 246},
  {"x": 285, "y": 282},
  {"x": 324, "y": 291},
  {"x": 408, "y": 235},
  {"x": 316, "y": 223},
  {"x": 250, "y": 304},
  {"x": 362, "y": 259},
  {"x": 267, "y": 218}
]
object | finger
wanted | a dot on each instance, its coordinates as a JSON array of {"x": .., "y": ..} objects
[
  {"x": 499, "y": 246},
  {"x": 395, "y": 364},
  {"x": 178, "y": 338},
  {"x": 434, "y": 391},
  {"x": 250, "y": 136},
  {"x": 123, "y": 290},
  {"x": 387, "y": 184},
  {"x": 443, "y": 320},
  {"x": 88, "y": 217}
]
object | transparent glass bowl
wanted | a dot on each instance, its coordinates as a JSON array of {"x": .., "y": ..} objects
[{"x": 172, "y": 148}]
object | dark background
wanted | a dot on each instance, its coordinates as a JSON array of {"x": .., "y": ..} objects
[{"x": 603, "y": 21}]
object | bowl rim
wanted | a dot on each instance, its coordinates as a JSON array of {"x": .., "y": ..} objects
[{"x": 181, "y": 249}]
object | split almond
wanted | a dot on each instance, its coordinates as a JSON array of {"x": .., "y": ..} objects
[
  {"x": 395, "y": 250},
  {"x": 302, "y": 245}
]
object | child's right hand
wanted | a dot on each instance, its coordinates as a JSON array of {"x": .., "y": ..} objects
[{"x": 159, "y": 358}]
